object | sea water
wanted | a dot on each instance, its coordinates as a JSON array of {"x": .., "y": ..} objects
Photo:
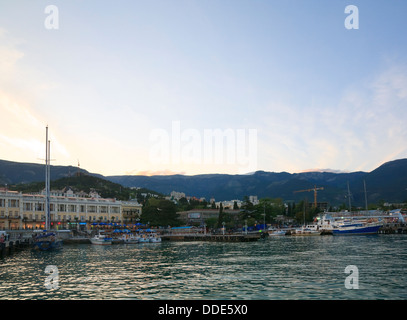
[{"x": 283, "y": 267}]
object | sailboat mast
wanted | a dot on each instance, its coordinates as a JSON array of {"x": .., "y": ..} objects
[
  {"x": 47, "y": 181},
  {"x": 364, "y": 183},
  {"x": 49, "y": 185},
  {"x": 350, "y": 206}
]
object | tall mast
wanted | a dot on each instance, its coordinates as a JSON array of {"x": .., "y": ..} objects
[
  {"x": 49, "y": 185},
  {"x": 364, "y": 183},
  {"x": 350, "y": 206},
  {"x": 47, "y": 182}
]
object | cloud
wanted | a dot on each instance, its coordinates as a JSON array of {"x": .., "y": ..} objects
[
  {"x": 9, "y": 54},
  {"x": 154, "y": 173},
  {"x": 22, "y": 128},
  {"x": 360, "y": 131}
]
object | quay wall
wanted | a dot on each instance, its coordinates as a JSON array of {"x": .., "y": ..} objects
[
  {"x": 394, "y": 228},
  {"x": 211, "y": 237}
]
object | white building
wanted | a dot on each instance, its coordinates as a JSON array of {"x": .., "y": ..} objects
[{"x": 18, "y": 210}]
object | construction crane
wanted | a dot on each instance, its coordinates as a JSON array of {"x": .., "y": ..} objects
[{"x": 315, "y": 193}]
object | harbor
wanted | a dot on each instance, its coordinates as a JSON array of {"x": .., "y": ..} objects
[
  {"x": 277, "y": 268},
  {"x": 18, "y": 240}
]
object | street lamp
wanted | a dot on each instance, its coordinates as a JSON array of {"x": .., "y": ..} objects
[
  {"x": 223, "y": 223},
  {"x": 264, "y": 220}
]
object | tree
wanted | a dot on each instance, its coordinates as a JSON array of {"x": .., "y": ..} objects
[
  {"x": 247, "y": 209},
  {"x": 211, "y": 222},
  {"x": 160, "y": 212},
  {"x": 221, "y": 216}
]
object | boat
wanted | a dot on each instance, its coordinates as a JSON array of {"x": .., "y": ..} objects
[
  {"x": 154, "y": 238},
  {"x": 357, "y": 227},
  {"x": 130, "y": 238},
  {"x": 101, "y": 239},
  {"x": 143, "y": 239},
  {"x": 305, "y": 231},
  {"x": 276, "y": 232},
  {"x": 46, "y": 241},
  {"x": 354, "y": 226}
]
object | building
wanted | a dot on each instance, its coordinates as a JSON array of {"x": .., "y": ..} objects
[
  {"x": 131, "y": 211},
  {"x": 177, "y": 195},
  {"x": 199, "y": 216},
  {"x": 254, "y": 200},
  {"x": 67, "y": 210}
]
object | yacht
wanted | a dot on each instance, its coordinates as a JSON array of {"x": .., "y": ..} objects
[{"x": 350, "y": 227}]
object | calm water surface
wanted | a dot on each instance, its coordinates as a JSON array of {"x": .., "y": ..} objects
[{"x": 277, "y": 268}]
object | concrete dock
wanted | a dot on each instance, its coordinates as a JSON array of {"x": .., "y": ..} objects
[
  {"x": 393, "y": 228},
  {"x": 214, "y": 237}
]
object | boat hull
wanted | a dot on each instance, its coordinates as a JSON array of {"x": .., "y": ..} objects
[
  {"x": 131, "y": 241},
  {"x": 47, "y": 245},
  {"x": 102, "y": 242},
  {"x": 305, "y": 234},
  {"x": 358, "y": 230}
]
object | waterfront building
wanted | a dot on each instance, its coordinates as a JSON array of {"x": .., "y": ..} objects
[
  {"x": 131, "y": 211},
  {"x": 198, "y": 216},
  {"x": 68, "y": 210}
]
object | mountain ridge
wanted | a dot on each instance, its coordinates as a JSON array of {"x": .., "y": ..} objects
[{"x": 387, "y": 182}]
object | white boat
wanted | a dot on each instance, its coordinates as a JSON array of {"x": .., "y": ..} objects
[
  {"x": 306, "y": 231},
  {"x": 143, "y": 238},
  {"x": 276, "y": 232},
  {"x": 130, "y": 238},
  {"x": 101, "y": 239},
  {"x": 155, "y": 238}
]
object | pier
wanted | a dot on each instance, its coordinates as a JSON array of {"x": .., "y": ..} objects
[
  {"x": 393, "y": 228},
  {"x": 214, "y": 237},
  {"x": 18, "y": 240},
  {"x": 9, "y": 247}
]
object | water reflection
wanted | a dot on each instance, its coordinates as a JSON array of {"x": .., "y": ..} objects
[{"x": 283, "y": 268}]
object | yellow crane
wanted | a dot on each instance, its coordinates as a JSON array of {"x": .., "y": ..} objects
[{"x": 315, "y": 193}]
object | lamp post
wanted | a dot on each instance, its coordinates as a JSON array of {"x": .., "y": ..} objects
[
  {"x": 264, "y": 220},
  {"x": 223, "y": 224}
]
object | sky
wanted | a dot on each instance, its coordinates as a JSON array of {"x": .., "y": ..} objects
[{"x": 204, "y": 86}]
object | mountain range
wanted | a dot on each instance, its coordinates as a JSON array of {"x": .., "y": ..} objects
[{"x": 386, "y": 183}]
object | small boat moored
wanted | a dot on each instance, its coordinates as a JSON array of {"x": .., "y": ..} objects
[
  {"x": 276, "y": 232},
  {"x": 304, "y": 231},
  {"x": 101, "y": 239},
  {"x": 155, "y": 238},
  {"x": 46, "y": 241},
  {"x": 130, "y": 238}
]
